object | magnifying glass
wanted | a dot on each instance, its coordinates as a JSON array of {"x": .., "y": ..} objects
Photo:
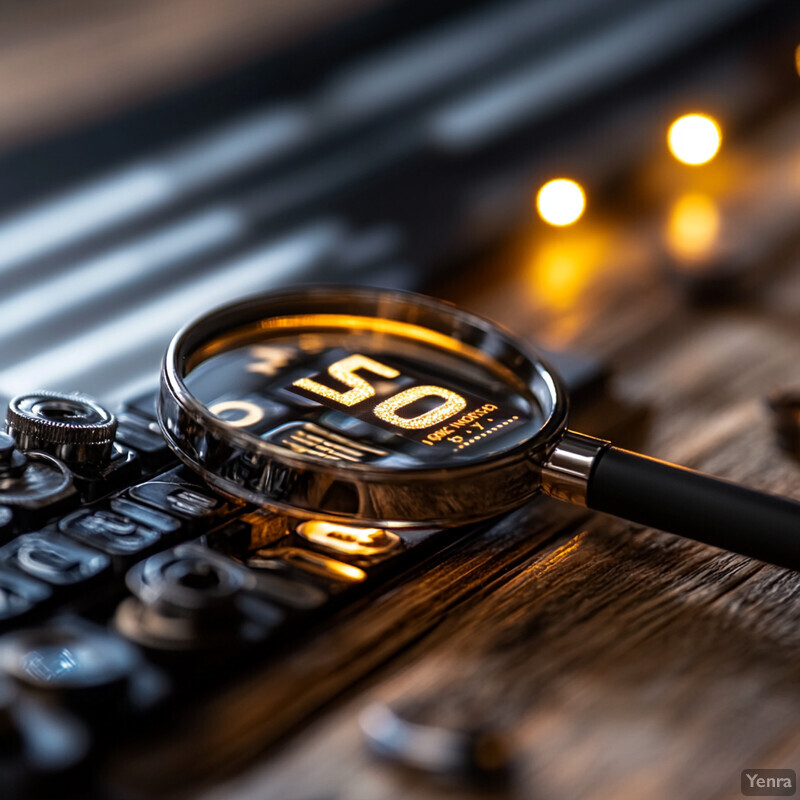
[{"x": 372, "y": 407}]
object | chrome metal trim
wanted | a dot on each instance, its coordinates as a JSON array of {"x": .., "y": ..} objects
[{"x": 566, "y": 473}]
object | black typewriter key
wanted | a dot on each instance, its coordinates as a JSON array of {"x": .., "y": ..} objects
[
  {"x": 87, "y": 667},
  {"x": 60, "y": 656},
  {"x": 250, "y": 532},
  {"x": 360, "y": 545},
  {"x": 188, "y": 578},
  {"x": 191, "y": 598},
  {"x": 144, "y": 405},
  {"x": 123, "y": 530},
  {"x": 288, "y": 590},
  {"x": 328, "y": 573},
  {"x": 144, "y": 437},
  {"x": 122, "y": 469},
  {"x": 34, "y": 486},
  {"x": 176, "y": 493},
  {"x": 165, "y": 524},
  {"x": 473, "y": 754},
  {"x": 20, "y": 596},
  {"x": 53, "y": 558}
]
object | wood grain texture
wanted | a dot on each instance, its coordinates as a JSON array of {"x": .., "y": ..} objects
[{"x": 621, "y": 662}]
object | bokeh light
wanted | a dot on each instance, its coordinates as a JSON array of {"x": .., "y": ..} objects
[
  {"x": 563, "y": 265},
  {"x": 693, "y": 226},
  {"x": 561, "y": 202},
  {"x": 694, "y": 138}
]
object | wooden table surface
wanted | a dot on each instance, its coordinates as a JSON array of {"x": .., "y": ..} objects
[{"x": 619, "y": 662}]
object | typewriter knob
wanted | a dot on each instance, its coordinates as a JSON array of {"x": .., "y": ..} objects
[{"x": 73, "y": 428}]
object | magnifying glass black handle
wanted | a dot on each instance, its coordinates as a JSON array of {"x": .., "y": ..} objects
[{"x": 679, "y": 500}]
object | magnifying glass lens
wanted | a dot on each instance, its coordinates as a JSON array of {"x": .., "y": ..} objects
[
  {"x": 365, "y": 390},
  {"x": 360, "y": 405}
]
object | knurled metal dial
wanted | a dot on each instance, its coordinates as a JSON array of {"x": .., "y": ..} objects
[{"x": 71, "y": 427}]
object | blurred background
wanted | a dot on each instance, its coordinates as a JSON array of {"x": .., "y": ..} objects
[
  {"x": 159, "y": 158},
  {"x": 616, "y": 180}
]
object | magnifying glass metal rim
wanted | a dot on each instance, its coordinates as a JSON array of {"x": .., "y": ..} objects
[{"x": 434, "y": 495}]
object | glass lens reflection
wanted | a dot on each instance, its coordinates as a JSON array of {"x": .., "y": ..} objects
[{"x": 356, "y": 394}]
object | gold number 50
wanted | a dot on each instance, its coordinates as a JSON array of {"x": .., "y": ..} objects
[{"x": 343, "y": 370}]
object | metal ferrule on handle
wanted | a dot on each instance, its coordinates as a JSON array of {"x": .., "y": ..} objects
[{"x": 566, "y": 473}]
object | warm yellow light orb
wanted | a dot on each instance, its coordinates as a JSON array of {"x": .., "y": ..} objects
[
  {"x": 694, "y": 138},
  {"x": 561, "y": 202},
  {"x": 693, "y": 227}
]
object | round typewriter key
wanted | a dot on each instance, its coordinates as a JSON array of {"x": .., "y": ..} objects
[
  {"x": 388, "y": 409},
  {"x": 189, "y": 598},
  {"x": 188, "y": 579},
  {"x": 36, "y": 482},
  {"x": 65, "y": 657}
]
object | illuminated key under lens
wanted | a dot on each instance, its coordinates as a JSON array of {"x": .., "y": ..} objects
[
  {"x": 313, "y": 563},
  {"x": 347, "y": 539}
]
